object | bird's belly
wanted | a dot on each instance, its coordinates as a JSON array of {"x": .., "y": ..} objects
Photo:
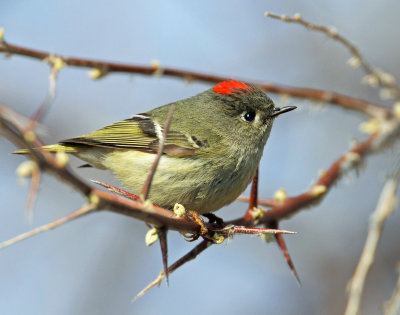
[{"x": 199, "y": 185}]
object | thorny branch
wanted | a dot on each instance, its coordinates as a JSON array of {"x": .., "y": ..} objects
[
  {"x": 103, "y": 200},
  {"x": 206, "y": 243},
  {"x": 162, "y": 217},
  {"x": 390, "y": 89},
  {"x": 99, "y": 200}
]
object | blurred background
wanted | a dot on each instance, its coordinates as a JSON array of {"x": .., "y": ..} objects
[{"x": 96, "y": 264}]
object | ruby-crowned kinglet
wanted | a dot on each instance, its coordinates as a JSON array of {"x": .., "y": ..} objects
[{"x": 213, "y": 146}]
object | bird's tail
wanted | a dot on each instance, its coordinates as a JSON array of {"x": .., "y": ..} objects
[{"x": 52, "y": 148}]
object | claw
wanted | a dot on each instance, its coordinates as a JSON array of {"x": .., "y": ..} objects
[
  {"x": 196, "y": 218},
  {"x": 189, "y": 237}
]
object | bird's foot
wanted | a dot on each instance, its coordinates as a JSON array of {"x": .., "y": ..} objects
[{"x": 196, "y": 218}]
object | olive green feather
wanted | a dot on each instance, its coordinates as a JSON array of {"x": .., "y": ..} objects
[
  {"x": 127, "y": 134},
  {"x": 132, "y": 134}
]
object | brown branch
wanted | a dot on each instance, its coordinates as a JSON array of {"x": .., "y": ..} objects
[
  {"x": 368, "y": 108},
  {"x": 384, "y": 208}
]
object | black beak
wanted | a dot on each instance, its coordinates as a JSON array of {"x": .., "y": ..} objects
[{"x": 278, "y": 111}]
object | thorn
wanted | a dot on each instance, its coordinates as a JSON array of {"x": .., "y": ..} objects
[
  {"x": 254, "y": 191},
  {"x": 116, "y": 190},
  {"x": 147, "y": 184},
  {"x": 282, "y": 246},
  {"x": 162, "y": 233},
  {"x": 33, "y": 190},
  {"x": 253, "y": 201}
]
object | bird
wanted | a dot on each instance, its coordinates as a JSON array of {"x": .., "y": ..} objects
[{"x": 212, "y": 149}]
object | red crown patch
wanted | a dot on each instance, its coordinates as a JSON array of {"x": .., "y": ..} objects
[{"x": 231, "y": 86}]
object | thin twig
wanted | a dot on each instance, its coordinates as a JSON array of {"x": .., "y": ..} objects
[
  {"x": 392, "y": 307},
  {"x": 383, "y": 79},
  {"x": 78, "y": 213},
  {"x": 386, "y": 205},
  {"x": 368, "y": 108},
  {"x": 186, "y": 258},
  {"x": 48, "y": 100}
]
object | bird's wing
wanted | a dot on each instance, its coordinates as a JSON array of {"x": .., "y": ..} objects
[{"x": 141, "y": 133}]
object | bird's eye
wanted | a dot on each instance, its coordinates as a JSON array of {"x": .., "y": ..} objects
[{"x": 249, "y": 116}]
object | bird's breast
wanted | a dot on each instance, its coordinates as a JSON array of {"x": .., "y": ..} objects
[{"x": 199, "y": 183}]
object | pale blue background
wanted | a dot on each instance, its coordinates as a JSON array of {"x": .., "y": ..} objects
[{"x": 96, "y": 264}]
